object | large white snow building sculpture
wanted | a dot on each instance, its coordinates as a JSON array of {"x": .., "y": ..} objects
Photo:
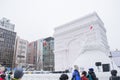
[{"x": 82, "y": 42}]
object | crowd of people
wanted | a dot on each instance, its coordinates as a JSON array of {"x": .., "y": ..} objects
[
  {"x": 76, "y": 75},
  {"x": 87, "y": 76},
  {"x": 17, "y": 75},
  {"x": 84, "y": 76}
]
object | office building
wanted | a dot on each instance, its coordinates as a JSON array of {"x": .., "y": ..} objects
[
  {"x": 7, "y": 43},
  {"x": 21, "y": 52},
  {"x": 48, "y": 54}
]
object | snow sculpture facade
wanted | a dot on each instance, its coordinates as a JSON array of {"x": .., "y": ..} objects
[{"x": 82, "y": 42}]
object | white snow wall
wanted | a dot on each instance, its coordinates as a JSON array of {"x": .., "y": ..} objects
[{"x": 82, "y": 42}]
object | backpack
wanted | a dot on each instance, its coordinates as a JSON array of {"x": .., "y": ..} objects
[{"x": 89, "y": 77}]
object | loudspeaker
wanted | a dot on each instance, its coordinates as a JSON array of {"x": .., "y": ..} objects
[
  {"x": 106, "y": 67},
  {"x": 98, "y": 63}
]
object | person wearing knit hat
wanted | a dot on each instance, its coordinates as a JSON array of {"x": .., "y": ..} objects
[
  {"x": 91, "y": 69},
  {"x": 18, "y": 74},
  {"x": 91, "y": 74}
]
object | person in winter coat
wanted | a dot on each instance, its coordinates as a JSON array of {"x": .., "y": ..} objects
[
  {"x": 91, "y": 74},
  {"x": 84, "y": 76},
  {"x": 64, "y": 77},
  {"x": 18, "y": 74},
  {"x": 76, "y": 75},
  {"x": 114, "y": 75},
  {"x": 2, "y": 77},
  {"x": 10, "y": 75}
]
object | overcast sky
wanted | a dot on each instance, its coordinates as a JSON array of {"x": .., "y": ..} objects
[{"x": 36, "y": 19}]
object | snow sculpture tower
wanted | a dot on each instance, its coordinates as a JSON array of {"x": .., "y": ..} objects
[{"x": 82, "y": 42}]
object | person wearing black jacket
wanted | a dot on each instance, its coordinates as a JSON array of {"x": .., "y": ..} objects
[
  {"x": 92, "y": 74},
  {"x": 114, "y": 75},
  {"x": 64, "y": 77}
]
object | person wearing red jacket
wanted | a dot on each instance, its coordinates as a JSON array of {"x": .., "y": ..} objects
[
  {"x": 2, "y": 77},
  {"x": 83, "y": 77}
]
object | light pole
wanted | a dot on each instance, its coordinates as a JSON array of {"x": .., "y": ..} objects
[{"x": 111, "y": 59}]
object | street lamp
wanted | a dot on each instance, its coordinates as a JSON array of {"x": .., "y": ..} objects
[{"x": 110, "y": 56}]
